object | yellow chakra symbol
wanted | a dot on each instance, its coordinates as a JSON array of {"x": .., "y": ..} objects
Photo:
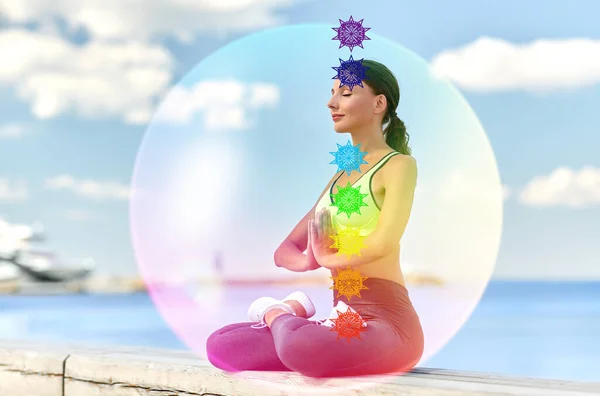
[
  {"x": 348, "y": 241},
  {"x": 348, "y": 283}
]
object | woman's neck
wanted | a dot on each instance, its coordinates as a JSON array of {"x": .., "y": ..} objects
[{"x": 370, "y": 141}]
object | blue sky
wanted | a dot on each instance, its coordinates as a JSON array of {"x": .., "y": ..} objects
[{"x": 69, "y": 168}]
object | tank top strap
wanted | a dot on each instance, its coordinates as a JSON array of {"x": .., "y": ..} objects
[{"x": 382, "y": 162}]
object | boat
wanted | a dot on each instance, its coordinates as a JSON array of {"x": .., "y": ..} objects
[
  {"x": 38, "y": 265},
  {"x": 9, "y": 279}
]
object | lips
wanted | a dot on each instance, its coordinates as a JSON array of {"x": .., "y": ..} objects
[{"x": 336, "y": 116}]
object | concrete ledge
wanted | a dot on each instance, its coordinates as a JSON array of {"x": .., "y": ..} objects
[
  {"x": 27, "y": 370},
  {"x": 34, "y": 369}
]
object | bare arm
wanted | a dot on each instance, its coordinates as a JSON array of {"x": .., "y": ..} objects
[
  {"x": 400, "y": 182},
  {"x": 289, "y": 254}
]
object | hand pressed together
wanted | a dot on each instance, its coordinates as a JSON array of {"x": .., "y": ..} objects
[{"x": 320, "y": 235}]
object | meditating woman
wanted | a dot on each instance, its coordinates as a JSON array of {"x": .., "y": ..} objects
[{"x": 280, "y": 336}]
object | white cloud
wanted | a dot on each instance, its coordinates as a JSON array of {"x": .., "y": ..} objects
[
  {"x": 491, "y": 64},
  {"x": 564, "y": 187},
  {"x": 13, "y": 192},
  {"x": 98, "y": 79},
  {"x": 224, "y": 103},
  {"x": 13, "y": 236},
  {"x": 116, "y": 19},
  {"x": 12, "y": 131},
  {"x": 100, "y": 190}
]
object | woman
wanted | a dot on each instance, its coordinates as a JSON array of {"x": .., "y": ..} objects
[{"x": 280, "y": 336}]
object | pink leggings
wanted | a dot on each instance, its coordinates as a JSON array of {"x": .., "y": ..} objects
[{"x": 391, "y": 343}]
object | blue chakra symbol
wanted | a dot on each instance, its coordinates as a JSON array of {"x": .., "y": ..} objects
[
  {"x": 351, "y": 73},
  {"x": 351, "y": 33},
  {"x": 348, "y": 158}
]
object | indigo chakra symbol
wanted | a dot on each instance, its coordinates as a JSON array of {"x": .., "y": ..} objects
[
  {"x": 351, "y": 33},
  {"x": 348, "y": 158},
  {"x": 351, "y": 73}
]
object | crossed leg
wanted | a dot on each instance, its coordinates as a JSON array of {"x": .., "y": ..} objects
[{"x": 297, "y": 344}]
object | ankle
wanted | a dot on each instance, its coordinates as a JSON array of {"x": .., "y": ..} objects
[
  {"x": 297, "y": 308},
  {"x": 272, "y": 314}
]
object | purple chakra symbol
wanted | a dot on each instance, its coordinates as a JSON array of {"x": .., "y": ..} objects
[
  {"x": 351, "y": 73},
  {"x": 351, "y": 33}
]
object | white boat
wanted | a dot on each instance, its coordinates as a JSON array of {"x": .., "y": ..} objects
[
  {"x": 34, "y": 264},
  {"x": 9, "y": 279}
]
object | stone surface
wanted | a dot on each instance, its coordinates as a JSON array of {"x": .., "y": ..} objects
[{"x": 74, "y": 370}]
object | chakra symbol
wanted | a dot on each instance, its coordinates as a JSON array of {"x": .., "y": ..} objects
[
  {"x": 348, "y": 158},
  {"x": 348, "y": 241},
  {"x": 348, "y": 283},
  {"x": 348, "y": 200},
  {"x": 351, "y": 33},
  {"x": 348, "y": 325},
  {"x": 351, "y": 73}
]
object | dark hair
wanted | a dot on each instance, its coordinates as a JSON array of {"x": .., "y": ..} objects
[{"x": 383, "y": 82}]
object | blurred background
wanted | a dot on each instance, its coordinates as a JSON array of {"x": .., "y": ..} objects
[{"x": 80, "y": 81}]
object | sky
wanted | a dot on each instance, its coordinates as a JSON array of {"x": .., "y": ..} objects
[{"x": 81, "y": 81}]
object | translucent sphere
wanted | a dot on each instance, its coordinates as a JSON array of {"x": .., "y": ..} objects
[{"x": 239, "y": 151}]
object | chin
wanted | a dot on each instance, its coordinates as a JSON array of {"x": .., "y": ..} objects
[{"x": 339, "y": 128}]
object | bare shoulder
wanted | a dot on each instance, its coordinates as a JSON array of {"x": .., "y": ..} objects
[
  {"x": 401, "y": 168},
  {"x": 402, "y": 164}
]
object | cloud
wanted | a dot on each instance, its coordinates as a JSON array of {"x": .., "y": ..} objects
[
  {"x": 12, "y": 236},
  {"x": 99, "y": 190},
  {"x": 12, "y": 131},
  {"x": 564, "y": 187},
  {"x": 98, "y": 79},
  {"x": 491, "y": 64},
  {"x": 183, "y": 19},
  {"x": 13, "y": 192},
  {"x": 224, "y": 103}
]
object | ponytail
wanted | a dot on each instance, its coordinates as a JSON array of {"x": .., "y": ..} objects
[
  {"x": 396, "y": 136},
  {"x": 383, "y": 82}
]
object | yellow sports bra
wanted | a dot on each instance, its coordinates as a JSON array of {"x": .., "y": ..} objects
[{"x": 366, "y": 221}]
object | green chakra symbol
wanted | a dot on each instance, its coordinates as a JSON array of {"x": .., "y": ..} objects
[{"x": 348, "y": 200}]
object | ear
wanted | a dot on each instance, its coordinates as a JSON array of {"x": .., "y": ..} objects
[{"x": 380, "y": 104}]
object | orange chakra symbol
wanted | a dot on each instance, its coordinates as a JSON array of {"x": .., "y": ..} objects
[
  {"x": 348, "y": 325},
  {"x": 348, "y": 283}
]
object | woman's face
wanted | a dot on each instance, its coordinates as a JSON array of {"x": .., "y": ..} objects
[{"x": 352, "y": 109}]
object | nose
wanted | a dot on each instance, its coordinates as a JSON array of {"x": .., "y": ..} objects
[{"x": 332, "y": 103}]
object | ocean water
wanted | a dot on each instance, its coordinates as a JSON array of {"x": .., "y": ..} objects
[{"x": 531, "y": 329}]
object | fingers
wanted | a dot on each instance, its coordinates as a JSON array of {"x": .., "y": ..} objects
[
  {"x": 327, "y": 225},
  {"x": 322, "y": 227}
]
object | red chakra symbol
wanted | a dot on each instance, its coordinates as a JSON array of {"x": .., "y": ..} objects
[{"x": 348, "y": 325}]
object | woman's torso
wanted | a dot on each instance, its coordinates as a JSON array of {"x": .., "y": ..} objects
[{"x": 370, "y": 183}]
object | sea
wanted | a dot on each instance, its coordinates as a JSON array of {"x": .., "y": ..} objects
[{"x": 527, "y": 329}]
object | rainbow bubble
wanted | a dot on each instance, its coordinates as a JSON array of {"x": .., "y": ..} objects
[{"x": 239, "y": 151}]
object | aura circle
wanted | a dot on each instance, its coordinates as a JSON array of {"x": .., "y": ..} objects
[{"x": 239, "y": 151}]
